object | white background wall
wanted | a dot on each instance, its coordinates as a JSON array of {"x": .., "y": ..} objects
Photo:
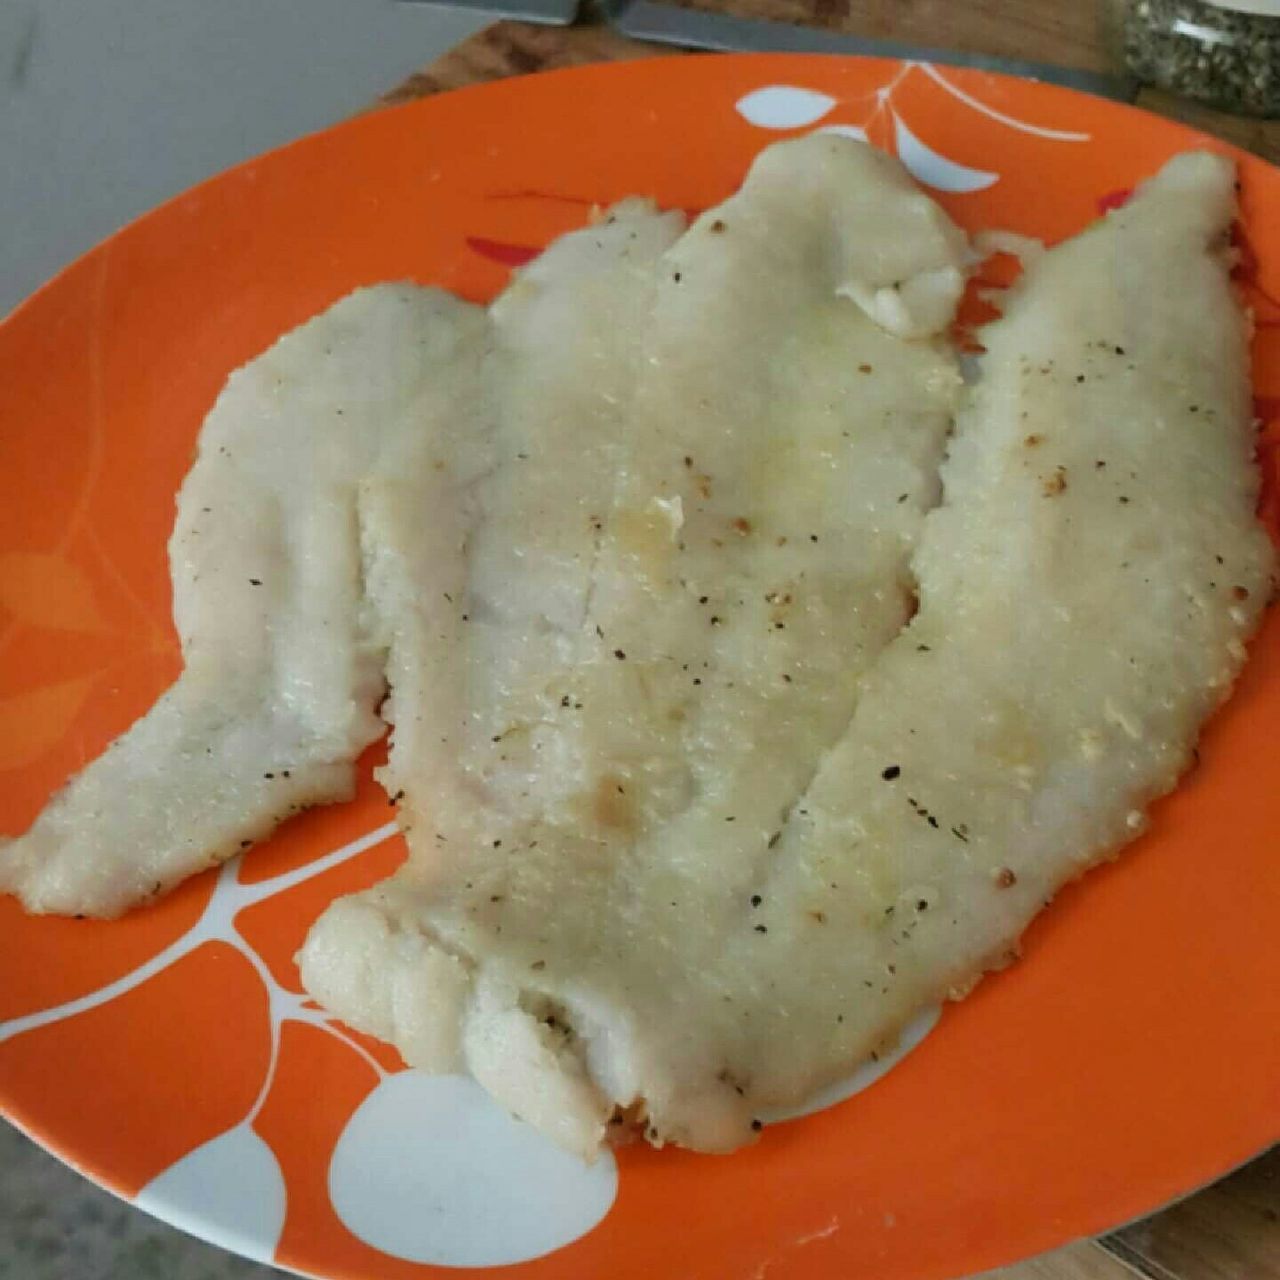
[{"x": 108, "y": 107}]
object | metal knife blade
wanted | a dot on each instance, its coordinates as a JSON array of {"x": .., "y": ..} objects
[{"x": 695, "y": 28}]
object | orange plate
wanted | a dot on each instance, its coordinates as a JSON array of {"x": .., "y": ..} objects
[{"x": 1130, "y": 1057}]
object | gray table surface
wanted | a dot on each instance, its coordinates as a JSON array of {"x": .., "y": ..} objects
[
  {"x": 55, "y": 1225},
  {"x": 108, "y": 107}
]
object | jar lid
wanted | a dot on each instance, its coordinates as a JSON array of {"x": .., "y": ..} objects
[{"x": 1263, "y": 8}]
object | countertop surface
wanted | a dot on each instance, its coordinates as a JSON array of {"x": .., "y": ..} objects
[{"x": 108, "y": 109}]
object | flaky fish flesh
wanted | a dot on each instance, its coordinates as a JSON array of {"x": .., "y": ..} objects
[
  {"x": 786, "y": 821},
  {"x": 753, "y": 682},
  {"x": 776, "y": 453},
  {"x": 281, "y": 685}
]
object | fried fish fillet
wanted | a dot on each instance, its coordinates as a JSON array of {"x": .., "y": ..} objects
[
  {"x": 480, "y": 586},
  {"x": 280, "y": 685},
  {"x": 701, "y": 807},
  {"x": 1086, "y": 589},
  {"x": 614, "y": 763},
  {"x": 282, "y": 673},
  {"x": 755, "y": 882},
  {"x": 480, "y": 548}
]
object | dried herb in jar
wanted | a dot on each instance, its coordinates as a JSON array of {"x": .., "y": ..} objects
[{"x": 1224, "y": 52}]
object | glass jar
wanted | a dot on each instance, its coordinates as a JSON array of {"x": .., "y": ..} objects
[{"x": 1223, "y": 52}]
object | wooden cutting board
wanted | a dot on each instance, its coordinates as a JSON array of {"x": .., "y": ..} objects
[{"x": 1230, "y": 1231}]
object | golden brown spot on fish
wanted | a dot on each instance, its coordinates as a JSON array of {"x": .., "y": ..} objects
[{"x": 612, "y": 804}]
